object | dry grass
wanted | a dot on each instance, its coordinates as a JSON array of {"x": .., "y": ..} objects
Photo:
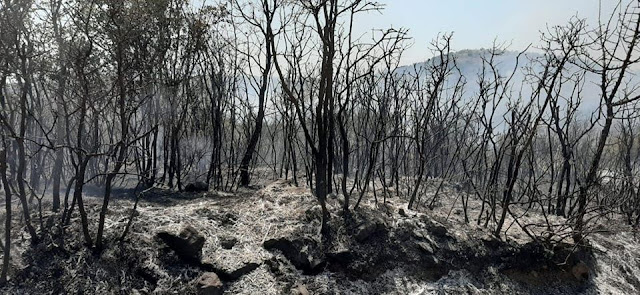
[{"x": 278, "y": 209}]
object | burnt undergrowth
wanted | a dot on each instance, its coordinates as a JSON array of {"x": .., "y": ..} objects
[{"x": 366, "y": 244}]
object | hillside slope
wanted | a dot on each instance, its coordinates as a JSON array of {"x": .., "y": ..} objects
[{"x": 266, "y": 241}]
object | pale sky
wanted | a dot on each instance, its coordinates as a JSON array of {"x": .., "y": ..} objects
[{"x": 476, "y": 23}]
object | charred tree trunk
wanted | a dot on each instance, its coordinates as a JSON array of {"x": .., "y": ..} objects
[
  {"x": 257, "y": 130},
  {"x": 7, "y": 223}
]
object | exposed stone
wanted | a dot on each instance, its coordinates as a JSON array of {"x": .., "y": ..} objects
[
  {"x": 187, "y": 244},
  {"x": 369, "y": 229},
  {"x": 196, "y": 187},
  {"x": 298, "y": 252},
  {"x": 209, "y": 284},
  {"x": 439, "y": 230}
]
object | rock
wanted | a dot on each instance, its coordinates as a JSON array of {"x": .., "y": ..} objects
[
  {"x": 299, "y": 252},
  {"x": 196, "y": 187},
  {"x": 580, "y": 271},
  {"x": 187, "y": 244},
  {"x": 209, "y": 284},
  {"x": 365, "y": 231},
  {"x": 369, "y": 229},
  {"x": 300, "y": 289},
  {"x": 438, "y": 230},
  {"x": 228, "y": 242}
]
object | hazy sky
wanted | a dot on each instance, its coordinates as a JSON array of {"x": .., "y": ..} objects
[{"x": 476, "y": 23}]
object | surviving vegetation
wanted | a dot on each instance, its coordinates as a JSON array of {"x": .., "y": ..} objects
[{"x": 261, "y": 146}]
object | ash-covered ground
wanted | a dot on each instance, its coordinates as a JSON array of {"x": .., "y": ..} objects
[{"x": 266, "y": 240}]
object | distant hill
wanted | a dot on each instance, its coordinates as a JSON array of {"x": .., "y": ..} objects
[{"x": 470, "y": 63}]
